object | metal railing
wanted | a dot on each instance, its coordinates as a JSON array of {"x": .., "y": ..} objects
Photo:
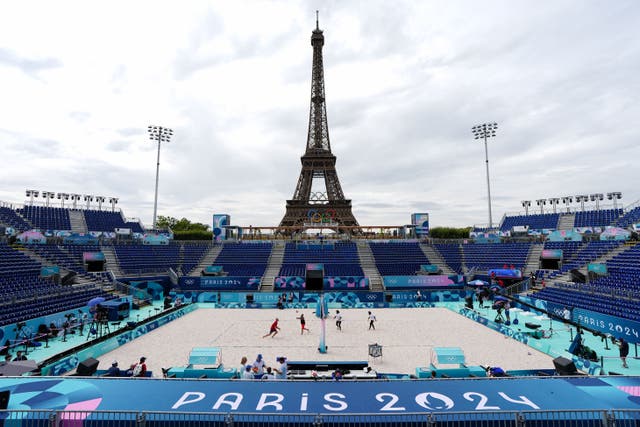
[{"x": 568, "y": 418}]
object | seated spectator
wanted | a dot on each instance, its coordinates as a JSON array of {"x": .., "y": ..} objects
[
  {"x": 337, "y": 375},
  {"x": 114, "y": 370},
  {"x": 247, "y": 374},
  {"x": 20, "y": 356},
  {"x": 496, "y": 371},
  {"x": 139, "y": 369},
  {"x": 269, "y": 374}
]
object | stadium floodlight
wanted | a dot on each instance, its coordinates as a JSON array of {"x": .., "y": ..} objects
[
  {"x": 48, "y": 195},
  {"x": 88, "y": 198},
  {"x": 483, "y": 132},
  {"x": 615, "y": 196},
  {"x": 581, "y": 198},
  {"x": 62, "y": 197},
  {"x": 567, "y": 200},
  {"x": 31, "y": 194},
  {"x": 76, "y": 198},
  {"x": 525, "y": 205},
  {"x": 541, "y": 203},
  {"x": 596, "y": 197},
  {"x": 114, "y": 202},
  {"x": 554, "y": 202},
  {"x": 100, "y": 200},
  {"x": 160, "y": 134}
]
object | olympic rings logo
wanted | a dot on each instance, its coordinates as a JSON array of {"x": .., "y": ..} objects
[{"x": 321, "y": 217}]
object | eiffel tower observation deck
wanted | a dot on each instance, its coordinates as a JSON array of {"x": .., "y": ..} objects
[{"x": 315, "y": 205}]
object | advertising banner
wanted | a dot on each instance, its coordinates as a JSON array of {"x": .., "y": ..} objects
[
  {"x": 330, "y": 282},
  {"x": 219, "y": 223},
  {"x": 325, "y": 397},
  {"x": 220, "y": 283},
  {"x": 505, "y": 273},
  {"x": 551, "y": 254},
  {"x": 597, "y": 268},
  {"x": 49, "y": 271},
  {"x": 421, "y": 221},
  {"x": 616, "y": 326},
  {"x": 418, "y": 282},
  {"x": 92, "y": 256}
]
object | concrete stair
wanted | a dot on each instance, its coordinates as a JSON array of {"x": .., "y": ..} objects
[
  {"x": 368, "y": 264},
  {"x": 111, "y": 261},
  {"x": 207, "y": 260},
  {"x": 78, "y": 222},
  {"x": 435, "y": 258},
  {"x": 273, "y": 267},
  {"x": 566, "y": 221},
  {"x": 533, "y": 259}
]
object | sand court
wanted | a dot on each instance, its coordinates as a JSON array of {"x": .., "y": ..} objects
[{"x": 407, "y": 336}]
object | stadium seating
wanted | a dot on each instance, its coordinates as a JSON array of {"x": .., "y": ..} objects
[
  {"x": 484, "y": 257},
  {"x": 598, "y": 218},
  {"x": 10, "y": 218},
  {"x": 145, "y": 259},
  {"x": 398, "y": 258},
  {"x": 191, "y": 256},
  {"x": 595, "y": 302},
  {"x": 452, "y": 255},
  {"x": 339, "y": 259},
  {"x": 631, "y": 217},
  {"x": 47, "y": 218},
  {"x": 586, "y": 254},
  {"x": 242, "y": 259},
  {"x": 535, "y": 222},
  {"x": 109, "y": 221}
]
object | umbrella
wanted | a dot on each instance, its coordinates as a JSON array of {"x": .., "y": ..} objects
[
  {"x": 477, "y": 282},
  {"x": 95, "y": 301}
]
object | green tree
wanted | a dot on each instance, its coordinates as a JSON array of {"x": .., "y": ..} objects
[{"x": 449, "y": 232}]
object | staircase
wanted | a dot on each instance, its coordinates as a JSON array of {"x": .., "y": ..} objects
[
  {"x": 566, "y": 221},
  {"x": 604, "y": 258},
  {"x": 434, "y": 257},
  {"x": 273, "y": 267},
  {"x": 207, "y": 260},
  {"x": 533, "y": 259},
  {"x": 463, "y": 259},
  {"x": 111, "y": 261},
  {"x": 78, "y": 223},
  {"x": 368, "y": 264}
]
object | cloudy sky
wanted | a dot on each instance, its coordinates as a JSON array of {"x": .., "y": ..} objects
[{"x": 405, "y": 81}]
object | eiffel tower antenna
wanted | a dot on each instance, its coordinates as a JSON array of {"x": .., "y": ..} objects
[{"x": 318, "y": 208}]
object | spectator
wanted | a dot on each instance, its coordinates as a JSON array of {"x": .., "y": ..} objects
[
  {"x": 114, "y": 370},
  {"x": 281, "y": 370},
  {"x": 624, "y": 351},
  {"x": 139, "y": 369},
  {"x": 258, "y": 366},
  {"x": 20, "y": 356}
]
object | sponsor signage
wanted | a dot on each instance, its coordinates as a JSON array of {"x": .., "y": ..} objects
[
  {"x": 222, "y": 283},
  {"x": 416, "y": 282},
  {"x": 324, "y": 397}
]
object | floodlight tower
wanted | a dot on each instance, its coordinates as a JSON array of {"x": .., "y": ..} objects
[
  {"x": 526, "y": 204},
  {"x": 88, "y": 198},
  {"x": 76, "y": 198},
  {"x": 114, "y": 202},
  {"x": 615, "y": 196},
  {"x": 596, "y": 197},
  {"x": 485, "y": 131},
  {"x": 582, "y": 198},
  {"x": 32, "y": 194},
  {"x": 48, "y": 195},
  {"x": 541, "y": 203},
  {"x": 554, "y": 202},
  {"x": 567, "y": 200},
  {"x": 160, "y": 134},
  {"x": 62, "y": 197},
  {"x": 100, "y": 200}
]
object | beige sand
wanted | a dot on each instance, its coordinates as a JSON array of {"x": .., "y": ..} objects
[{"x": 406, "y": 335}]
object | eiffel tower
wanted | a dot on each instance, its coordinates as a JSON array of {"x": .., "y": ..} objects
[{"x": 310, "y": 208}]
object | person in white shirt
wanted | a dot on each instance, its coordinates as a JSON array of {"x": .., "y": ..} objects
[
  {"x": 258, "y": 366},
  {"x": 281, "y": 370},
  {"x": 338, "y": 318},
  {"x": 247, "y": 374},
  {"x": 372, "y": 319}
]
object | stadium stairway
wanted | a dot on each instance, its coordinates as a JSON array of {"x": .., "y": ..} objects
[
  {"x": 368, "y": 265},
  {"x": 434, "y": 256},
  {"x": 606, "y": 257},
  {"x": 273, "y": 267},
  {"x": 207, "y": 260},
  {"x": 78, "y": 223},
  {"x": 566, "y": 221},
  {"x": 533, "y": 259},
  {"x": 111, "y": 261}
]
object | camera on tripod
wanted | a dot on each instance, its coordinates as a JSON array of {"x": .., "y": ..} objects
[{"x": 102, "y": 314}]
